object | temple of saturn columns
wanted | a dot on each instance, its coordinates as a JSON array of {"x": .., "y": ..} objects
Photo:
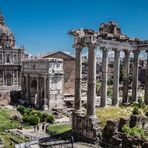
[{"x": 109, "y": 37}]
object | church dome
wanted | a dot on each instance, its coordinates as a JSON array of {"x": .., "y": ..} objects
[{"x": 6, "y": 36}]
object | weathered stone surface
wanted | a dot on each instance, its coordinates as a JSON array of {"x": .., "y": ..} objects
[
  {"x": 122, "y": 122},
  {"x": 42, "y": 79},
  {"x": 134, "y": 120},
  {"x": 108, "y": 131}
]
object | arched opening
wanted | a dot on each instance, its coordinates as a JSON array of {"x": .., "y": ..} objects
[
  {"x": 9, "y": 80},
  {"x": 33, "y": 88}
]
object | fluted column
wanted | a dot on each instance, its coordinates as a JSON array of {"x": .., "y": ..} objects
[
  {"x": 91, "y": 90},
  {"x": 135, "y": 76},
  {"x": 116, "y": 77},
  {"x": 104, "y": 77},
  {"x": 78, "y": 78},
  {"x": 146, "y": 83},
  {"x": 126, "y": 76}
]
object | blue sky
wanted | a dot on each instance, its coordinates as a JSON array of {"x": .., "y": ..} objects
[{"x": 42, "y": 25}]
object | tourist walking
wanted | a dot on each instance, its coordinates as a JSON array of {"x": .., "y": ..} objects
[{"x": 38, "y": 128}]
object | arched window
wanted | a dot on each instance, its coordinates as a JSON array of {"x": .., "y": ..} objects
[
  {"x": 7, "y": 58},
  {"x": 15, "y": 59}
]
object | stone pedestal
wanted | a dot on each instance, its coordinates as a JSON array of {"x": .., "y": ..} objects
[
  {"x": 85, "y": 126},
  {"x": 45, "y": 106}
]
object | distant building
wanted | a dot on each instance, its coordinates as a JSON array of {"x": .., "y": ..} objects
[
  {"x": 10, "y": 57},
  {"x": 42, "y": 82}
]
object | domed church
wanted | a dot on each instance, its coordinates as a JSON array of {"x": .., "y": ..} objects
[{"x": 10, "y": 57}]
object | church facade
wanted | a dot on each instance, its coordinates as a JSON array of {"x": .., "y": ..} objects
[{"x": 10, "y": 57}]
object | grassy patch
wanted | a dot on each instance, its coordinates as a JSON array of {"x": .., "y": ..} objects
[
  {"x": 6, "y": 122},
  {"x": 112, "y": 113},
  {"x": 5, "y": 119},
  {"x": 10, "y": 139},
  {"x": 59, "y": 129}
]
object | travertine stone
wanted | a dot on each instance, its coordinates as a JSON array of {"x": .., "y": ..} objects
[
  {"x": 126, "y": 76},
  {"x": 91, "y": 90},
  {"x": 104, "y": 77},
  {"x": 116, "y": 77},
  {"x": 146, "y": 82},
  {"x": 135, "y": 76},
  {"x": 44, "y": 82},
  {"x": 78, "y": 77}
]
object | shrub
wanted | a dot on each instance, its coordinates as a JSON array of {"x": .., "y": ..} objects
[
  {"x": 135, "y": 131},
  {"x": 50, "y": 119},
  {"x": 26, "y": 118},
  {"x": 21, "y": 109},
  {"x": 126, "y": 129},
  {"x": 135, "y": 111},
  {"x": 35, "y": 112},
  {"x": 44, "y": 117},
  {"x": 33, "y": 120},
  {"x": 110, "y": 92},
  {"x": 27, "y": 111}
]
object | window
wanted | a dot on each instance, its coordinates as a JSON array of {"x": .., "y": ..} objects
[{"x": 8, "y": 58}]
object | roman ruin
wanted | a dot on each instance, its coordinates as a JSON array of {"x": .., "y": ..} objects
[
  {"x": 109, "y": 37},
  {"x": 42, "y": 82}
]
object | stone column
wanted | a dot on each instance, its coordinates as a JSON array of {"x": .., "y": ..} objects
[
  {"x": 45, "y": 92},
  {"x": 27, "y": 87},
  {"x": 38, "y": 89},
  {"x": 78, "y": 77},
  {"x": 135, "y": 76},
  {"x": 104, "y": 77},
  {"x": 3, "y": 77},
  {"x": 126, "y": 76},
  {"x": 13, "y": 77},
  {"x": 146, "y": 83},
  {"x": 17, "y": 75},
  {"x": 116, "y": 77},
  {"x": 91, "y": 89},
  {"x": 2, "y": 57}
]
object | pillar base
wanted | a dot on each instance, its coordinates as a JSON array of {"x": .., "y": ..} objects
[
  {"x": 45, "y": 106},
  {"x": 79, "y": 111},
  {"x": 86, "y": 126}
]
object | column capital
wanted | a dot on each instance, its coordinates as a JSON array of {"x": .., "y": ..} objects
[
  {"x": 104, "y": 48},
  {"x": 116, "y": 50},
  {"x": 126, "y": 51},
  {"x": 136, "y": 52},
  {"x": 78, "y": 46}
]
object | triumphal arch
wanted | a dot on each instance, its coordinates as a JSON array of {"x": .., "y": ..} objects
[{"x": 109, "y": 37}]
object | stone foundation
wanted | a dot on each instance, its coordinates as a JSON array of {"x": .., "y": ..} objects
[{"x": 85, "y": 126}]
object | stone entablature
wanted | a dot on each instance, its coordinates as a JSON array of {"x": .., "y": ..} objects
[{"x": 42, "y": 82}]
